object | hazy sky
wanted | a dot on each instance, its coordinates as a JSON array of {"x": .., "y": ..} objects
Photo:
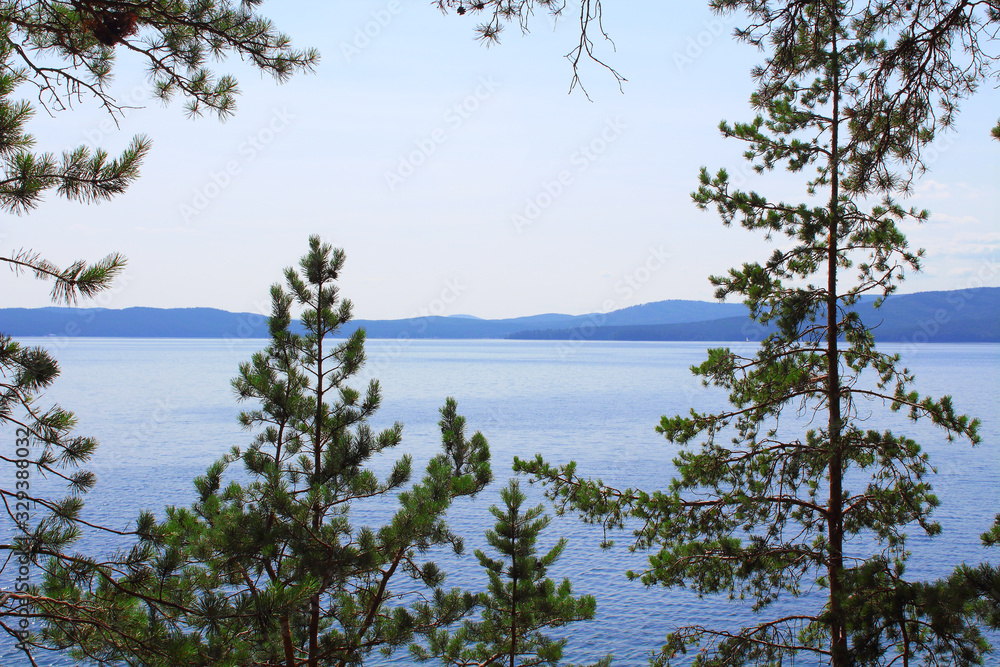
[{"x": 461, "y": 179}]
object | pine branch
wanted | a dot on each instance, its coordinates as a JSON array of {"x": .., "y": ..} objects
[{"x": 77, "y": 280}]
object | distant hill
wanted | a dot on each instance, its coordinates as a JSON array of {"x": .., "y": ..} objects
[
  {"x": 725, "y": 329},
  {"x": 214, "y": 323},
  {"x": 963, "y": 316},
  {"x": 673, "y": 311},
  {"x": 132, "y": 323},
  {"x": 966, "y": 316}
]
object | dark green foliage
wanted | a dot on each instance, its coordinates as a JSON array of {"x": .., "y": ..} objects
[
  {"x": 984, "y": 581},
  {"x": 81, "y": 175},
  {"x": 68, "y": 48},
  {"x": 520, "y": 601},
  {"x": 41, "y": 526},
  {"x": 971, "y": 589},
  {"x": 46, "y": 434},
  {"x": 270, "y": 566},
  {"x": 66, "y": 51},
  {"x": 765, "y": 509}
]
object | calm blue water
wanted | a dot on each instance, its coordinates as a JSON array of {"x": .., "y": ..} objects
[{"x": 164, "y": 410}]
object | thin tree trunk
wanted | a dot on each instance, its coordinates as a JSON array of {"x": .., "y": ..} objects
[
  {"x": 286, "y": 640},
  {"x": 835, "y": 519},
  {"x": 317, "y": 462},
  {"x": 906, "y": 643},
  {"x": 513, "y": 614},
  {"x": 516, "y": 529},
  {"x": 376, "y": 604}
]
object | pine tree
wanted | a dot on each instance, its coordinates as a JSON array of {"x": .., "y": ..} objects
[
  {"x": 271, "y": 568},
  {"x": 969, "y": 590},
  {"x": 68, "y": 48},
  {"x": 40, "y": 525},
  {"x": 81, "y": 176},
  {"x": 981, "y": 584},
  {"x": 67, "y": 51},
  {"x": 764, "y": 509},
  {"x": 520, "y": 601}
]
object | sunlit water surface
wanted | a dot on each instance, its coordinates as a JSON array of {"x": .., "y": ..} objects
[{"x": 164, "y": 410}]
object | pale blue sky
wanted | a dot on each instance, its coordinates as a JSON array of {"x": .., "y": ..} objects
[{"x": 416, "y": 149}]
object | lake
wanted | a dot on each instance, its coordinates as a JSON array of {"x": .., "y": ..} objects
[{"x": 163, "y": 410}]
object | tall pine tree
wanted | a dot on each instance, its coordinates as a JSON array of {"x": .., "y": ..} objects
[
  {"x": 273, "y": 568},
  {"x": 764, "y": 508}
]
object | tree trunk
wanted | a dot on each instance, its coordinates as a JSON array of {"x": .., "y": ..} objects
[
  {"x": 513, "y": 613},
  {"x": 286, "y": 640},
  {"x": 317, "y": 462},
  {"x": 835, "y": 519}
]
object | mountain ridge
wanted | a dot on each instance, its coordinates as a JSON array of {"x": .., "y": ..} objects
[
  {"x": 941, "y": 316},
  {"x": 971, "y": 315}
]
